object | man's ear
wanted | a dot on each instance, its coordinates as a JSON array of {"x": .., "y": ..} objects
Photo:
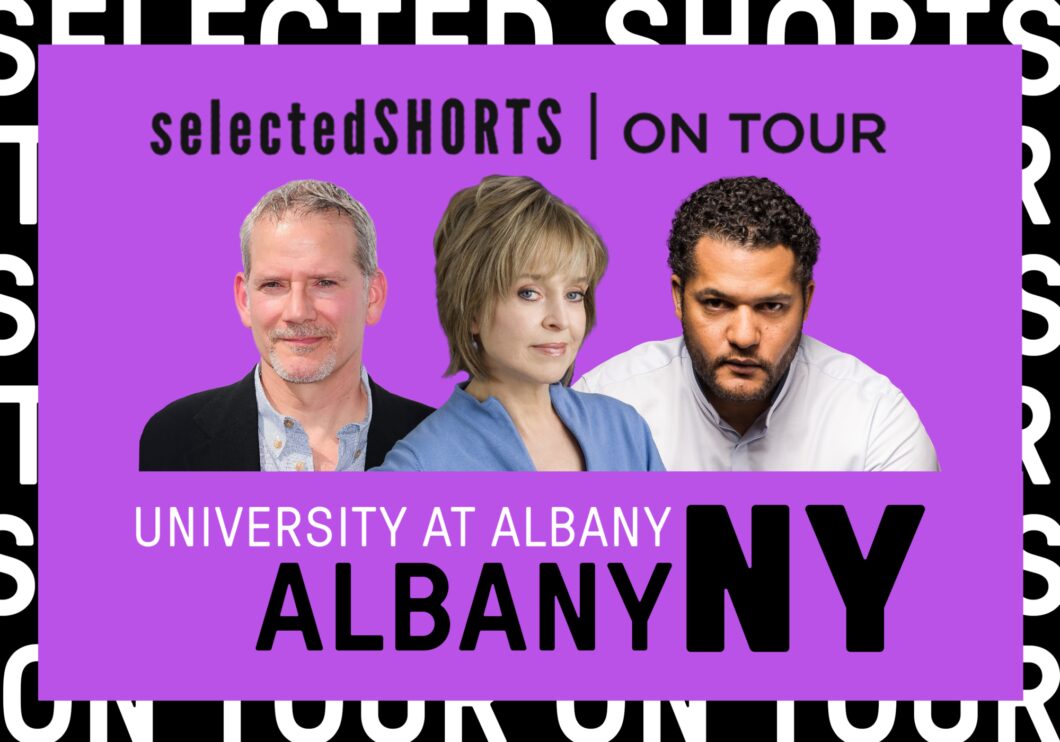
[
  {"x": 242, "y": 299},
  {"x": 376, "y": 297},
  {"x": 807, "y": 299},
  {"x": 678, "y": 290}
]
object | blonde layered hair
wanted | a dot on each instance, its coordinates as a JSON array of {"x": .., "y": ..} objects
[{"x": 491, "y": 234}]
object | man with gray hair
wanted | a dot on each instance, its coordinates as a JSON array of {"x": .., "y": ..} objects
[{"x": 309, "y": 286}]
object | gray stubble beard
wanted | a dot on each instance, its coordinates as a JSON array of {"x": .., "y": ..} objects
[{"x": 323, "y": 371}]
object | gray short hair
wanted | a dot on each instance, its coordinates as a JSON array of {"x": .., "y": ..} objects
[{"x": 305, "y": 197}]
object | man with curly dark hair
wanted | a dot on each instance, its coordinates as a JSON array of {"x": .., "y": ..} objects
[{"x": 743, "y": 388}]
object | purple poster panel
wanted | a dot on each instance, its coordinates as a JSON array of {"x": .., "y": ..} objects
[{"x": 719, "y": 585}]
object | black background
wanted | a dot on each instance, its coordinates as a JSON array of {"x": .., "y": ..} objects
[{"x": 572, "y": 23}]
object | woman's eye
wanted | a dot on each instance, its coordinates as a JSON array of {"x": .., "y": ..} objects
[
  {"x": 575, "y": 295},
  {"x": 528, "y": 294}
]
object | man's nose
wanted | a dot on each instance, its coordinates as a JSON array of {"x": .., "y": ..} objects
[
  {"x": 299, "y": 306},
  {"x": 743, "y": 331}
]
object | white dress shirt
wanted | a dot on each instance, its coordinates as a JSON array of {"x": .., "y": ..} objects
[{"x": 832, "y": 413}]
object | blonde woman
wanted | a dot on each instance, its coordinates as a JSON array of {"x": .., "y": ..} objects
[{"x": 516, "y": 273}]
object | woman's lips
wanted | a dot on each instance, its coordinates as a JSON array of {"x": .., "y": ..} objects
[{"x": 551, "y": 349}]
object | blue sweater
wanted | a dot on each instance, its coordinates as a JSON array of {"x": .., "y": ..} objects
[{"x": 467, "y": 435}]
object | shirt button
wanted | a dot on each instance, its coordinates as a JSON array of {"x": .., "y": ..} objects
[
  {"x": 277, "y": 443},
  {"x": 299, "y": 466},
  {"x": 288, "y": 422}
]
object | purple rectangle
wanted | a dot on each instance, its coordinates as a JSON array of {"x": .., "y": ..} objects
[{"x": 917, "y": 277}]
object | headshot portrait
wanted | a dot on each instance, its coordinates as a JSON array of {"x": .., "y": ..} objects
[
  {"x": 743, "y": 388},
  {"x": 310, "y": 285},
  {"x": 517, "y": 271}
]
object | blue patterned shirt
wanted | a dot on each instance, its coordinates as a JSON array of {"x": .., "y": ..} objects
[{"x": 283, "y": 444}]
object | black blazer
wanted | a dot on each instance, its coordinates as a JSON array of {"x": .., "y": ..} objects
[{"x": 217, "y": 430}]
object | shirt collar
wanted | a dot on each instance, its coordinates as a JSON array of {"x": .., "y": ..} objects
[
  {"x": 275, "y": 425},
  {"x": 708, "y": 409},
  {"x": 491, "y": 408}
]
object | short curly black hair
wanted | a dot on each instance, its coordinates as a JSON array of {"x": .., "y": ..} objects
[{"x": 751, "y": 212}]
